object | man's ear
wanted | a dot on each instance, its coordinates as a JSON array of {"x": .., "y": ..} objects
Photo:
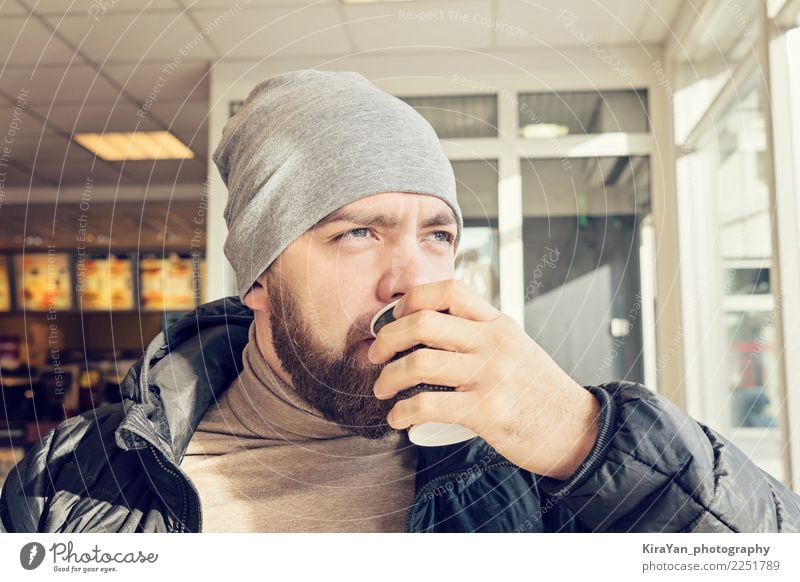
[{"x": 257, "y": 298}]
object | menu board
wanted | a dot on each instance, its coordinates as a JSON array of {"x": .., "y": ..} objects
[
  {"x": 9, "y": 457},
  {"x": 43, "y": 281},
  {"x": 200, "y": 287},
  {"x": 166, "y": 283},
  {"x": 105, "y": 282},
  {"x": 5, "y": 285},
  {"x": 203, "y": 298}
]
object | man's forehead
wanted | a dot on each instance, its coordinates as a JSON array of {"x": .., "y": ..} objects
[{"x": 431, "y": 210}]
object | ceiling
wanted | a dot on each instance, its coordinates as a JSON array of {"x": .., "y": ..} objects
[{"x": 89, "y": 65}]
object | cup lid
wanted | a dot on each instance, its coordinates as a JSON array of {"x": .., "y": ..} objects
[
  {"x": 387, "y": 307},
  {"x": 439, "y": 434}
]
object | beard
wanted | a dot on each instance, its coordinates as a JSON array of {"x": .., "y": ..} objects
[{"x": 340, "y": 388}]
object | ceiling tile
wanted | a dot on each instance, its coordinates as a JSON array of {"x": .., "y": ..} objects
[
  {"x": 167, "y": 172},
  {"x": 12, "y": 8},
  {"x": 70, "y": 164},
  {"x": 97, "y": 9},
  {"x": 561, "y": 23},
  {"x": 15, "y": 177},
  {"x": 157, "y": 36},
  {"x": 201, "y": 4},
  {"x": 51, "y": 148},
  {"x": 18, "y": 123},
  {"x": 465, "y": 24},
  {"x": 258, "y": 33},
  {"x": 78, "y": 174},
  {"x": 187, "y": 79},
  {"x": 657, "y": 23},
  {"x": 59, "y": 83},
  {"x": 26, "y": 41},
  {"x": 186, "y": 115},
  {"x": 75, "y": 167},
  {"x": 99, "y": 117},
  {"x": 196, "y": 139}
]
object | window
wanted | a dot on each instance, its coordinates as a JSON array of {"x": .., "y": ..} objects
[
  {"x": 458, "y": 116},
  {"x": 478, "y": 263},
  {"x": 582, "y": 232},
  {"x": 552, "y": 115},
  {"x": 727, "y": 256}
]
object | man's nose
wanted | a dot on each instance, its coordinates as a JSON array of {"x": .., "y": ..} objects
[{"x": 406, "y": 268}]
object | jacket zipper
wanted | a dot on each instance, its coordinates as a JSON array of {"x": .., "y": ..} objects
[
  {"x": 185, "y": 489},
  {"x": 594, "y": 460},
  {"x": 418, "y": 498},
  {"x": 184, "y": 509}
]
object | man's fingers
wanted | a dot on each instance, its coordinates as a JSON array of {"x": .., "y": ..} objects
[
  {"x": 425, "y": 365},
  {"x": 431, "y": 328},
  {"x": 449, "y": 407},
  {"x": 452, "y": 295}
]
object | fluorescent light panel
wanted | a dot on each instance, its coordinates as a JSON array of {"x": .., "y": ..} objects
[{"x": 134, "y": 145}]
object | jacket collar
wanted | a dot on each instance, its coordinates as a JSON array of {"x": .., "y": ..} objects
[{"x": 180, "y": 373}]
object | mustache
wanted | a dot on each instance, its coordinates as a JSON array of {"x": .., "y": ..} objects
[{"x": 360, "y": 330}]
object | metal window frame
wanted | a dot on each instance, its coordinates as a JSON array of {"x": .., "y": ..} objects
[
  {"x": 784, "y": 144},
  {"x": 782, "y": 156}
]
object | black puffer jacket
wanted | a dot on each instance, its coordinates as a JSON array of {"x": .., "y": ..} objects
[{"x": 117, "y": 468}]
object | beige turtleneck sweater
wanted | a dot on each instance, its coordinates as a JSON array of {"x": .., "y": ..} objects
[{"x": 264, "y": 461}]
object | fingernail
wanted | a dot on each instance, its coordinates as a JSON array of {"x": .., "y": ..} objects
[{"x": 371, "y": 351}]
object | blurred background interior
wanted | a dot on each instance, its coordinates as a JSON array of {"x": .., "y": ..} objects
[{"x": 627, "y": 172}]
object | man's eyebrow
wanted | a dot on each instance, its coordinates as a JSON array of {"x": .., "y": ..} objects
[
  {"x": 441, "y": 218},
  {"x": 344, "y": 215}
]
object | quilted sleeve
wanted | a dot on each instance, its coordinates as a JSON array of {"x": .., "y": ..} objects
[
  {"x": 25, "y": 490},
  {"x": 656, "y": 469}
]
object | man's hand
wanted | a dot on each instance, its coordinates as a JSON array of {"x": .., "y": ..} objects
[{"x": 508, "y": 390}]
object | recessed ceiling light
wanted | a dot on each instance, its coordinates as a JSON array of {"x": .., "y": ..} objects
[{"x": 134, "y": 145}]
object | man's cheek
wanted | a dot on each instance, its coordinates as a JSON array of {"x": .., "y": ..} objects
[{"x": 319, "y": 326}]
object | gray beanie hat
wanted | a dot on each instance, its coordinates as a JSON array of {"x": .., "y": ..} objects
[{"x": 306, "y": 143}]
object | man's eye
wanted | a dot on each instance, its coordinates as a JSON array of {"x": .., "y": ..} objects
[
  {"x": 349, "y": 232},
  {"x": 445, "y": 236},
  {"x": 448, "y": 238}
]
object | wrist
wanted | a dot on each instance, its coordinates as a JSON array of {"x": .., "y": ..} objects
[{"x": 582, "y": 437}]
